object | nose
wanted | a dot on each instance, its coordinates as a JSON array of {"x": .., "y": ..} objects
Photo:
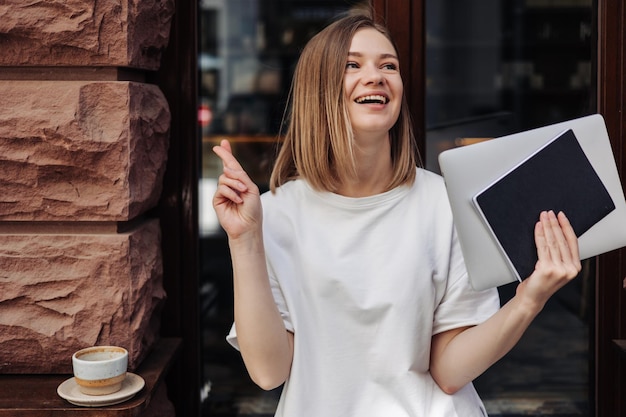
[{"x": 372, "y": 75}]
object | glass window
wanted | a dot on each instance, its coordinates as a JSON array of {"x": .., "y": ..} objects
[
  {"x": 497, "y": 67},
  {"x": 494, "y": 68},
  {"x": 248, "y": 51},
  {"x": 247, "y": 54}
]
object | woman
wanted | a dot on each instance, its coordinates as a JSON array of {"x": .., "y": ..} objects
[{"x": 349, "y": 283}]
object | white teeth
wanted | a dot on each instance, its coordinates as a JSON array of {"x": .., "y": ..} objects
[{"x": 372, "y": 98}]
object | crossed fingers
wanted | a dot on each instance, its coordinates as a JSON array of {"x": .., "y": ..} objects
[{"x": 233, "y": 181}]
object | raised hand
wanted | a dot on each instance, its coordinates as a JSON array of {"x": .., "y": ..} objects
[
  {"x": 558, "y": 258},
  {"x": 237, "y": 200}
]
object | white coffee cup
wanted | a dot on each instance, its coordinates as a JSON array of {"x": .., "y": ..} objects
[{"x": 100, "y": 370}]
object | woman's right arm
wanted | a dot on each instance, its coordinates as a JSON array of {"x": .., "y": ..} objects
[{"x": 265, "y": 345}]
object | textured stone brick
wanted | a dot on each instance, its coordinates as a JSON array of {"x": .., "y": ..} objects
[
  {"x": 130, "y": 33},
  {"x": 63, "y": 292},
  {"x": 74, "y": 151}
]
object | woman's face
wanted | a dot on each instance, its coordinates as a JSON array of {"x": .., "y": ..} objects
[{"x": 372, "y": 82}]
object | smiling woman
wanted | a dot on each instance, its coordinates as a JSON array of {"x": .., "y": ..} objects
[
  {"x": 491, "y": 68},
  {"x": 373, "y": 89},
  {"x": 352, "y": 136},
  {"x": 339, "y": 146},
  {"x": 349, "y": 284},
  {"x": 363, "y": 97}
]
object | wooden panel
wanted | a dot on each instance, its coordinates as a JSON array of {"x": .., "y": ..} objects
[
  {"x": 405, "y": 20},
  {"x": 610, "y": 295},
  {"x": 417, "y": 74},
  {"x": 178, "y": 207}
]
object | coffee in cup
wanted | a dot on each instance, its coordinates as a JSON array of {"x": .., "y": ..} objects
[{"x": 100, "y": 370}]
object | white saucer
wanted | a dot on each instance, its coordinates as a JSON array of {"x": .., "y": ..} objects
[{"x": 69, "y": 391}]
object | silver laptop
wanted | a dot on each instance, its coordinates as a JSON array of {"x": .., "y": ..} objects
[{"x": 469, "y": 170}]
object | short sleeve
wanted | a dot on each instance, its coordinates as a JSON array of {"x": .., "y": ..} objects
[
  {"x": 279, "y": 299},
  {"x": 460, "y": 305},
  {"x": 463, "y": 306}
]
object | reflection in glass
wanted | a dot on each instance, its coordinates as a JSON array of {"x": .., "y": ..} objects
[
  {"x": 247, "y": 53},
  {"x": 494, "y": 68}
]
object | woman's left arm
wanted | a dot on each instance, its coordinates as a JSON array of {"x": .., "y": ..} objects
[{"x": 459, "y": 355}]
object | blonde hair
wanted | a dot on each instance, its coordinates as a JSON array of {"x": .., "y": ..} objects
[{"x": 318, "y": 144}]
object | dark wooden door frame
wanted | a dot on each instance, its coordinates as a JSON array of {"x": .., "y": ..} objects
[
  {"x": 610, "y": 323},
  {"x": 405, "y": 20},
  {"x": 177, "y": 210}
]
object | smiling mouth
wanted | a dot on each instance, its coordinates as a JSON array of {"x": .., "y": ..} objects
[{"x": 373, "y": 99}]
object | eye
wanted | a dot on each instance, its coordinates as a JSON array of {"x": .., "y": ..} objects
[
  {"x": 390, "y": 66},
  {"x": 352, "y": 65}
]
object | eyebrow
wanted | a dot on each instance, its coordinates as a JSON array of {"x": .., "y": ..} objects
[{"x": 382, "y": 56}]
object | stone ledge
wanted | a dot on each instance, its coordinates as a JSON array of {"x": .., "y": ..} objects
[
  {"x": 130, "y": 33},
  {"x": 60, "y": 293},
  {"x": 81, "y": 151},
  {"x": 36, "y": 395}
]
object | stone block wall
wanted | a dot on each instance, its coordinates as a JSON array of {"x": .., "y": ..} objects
[
  {"x": 64, "y": 290},
  {"x": 83, "y": 151},
  {"x": 84, "y": 33}
]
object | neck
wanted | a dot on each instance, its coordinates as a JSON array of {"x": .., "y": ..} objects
[{"x": 374, "y": 171}]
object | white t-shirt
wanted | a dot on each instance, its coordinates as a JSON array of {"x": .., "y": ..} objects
[{"x": 364, "y": 284}]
